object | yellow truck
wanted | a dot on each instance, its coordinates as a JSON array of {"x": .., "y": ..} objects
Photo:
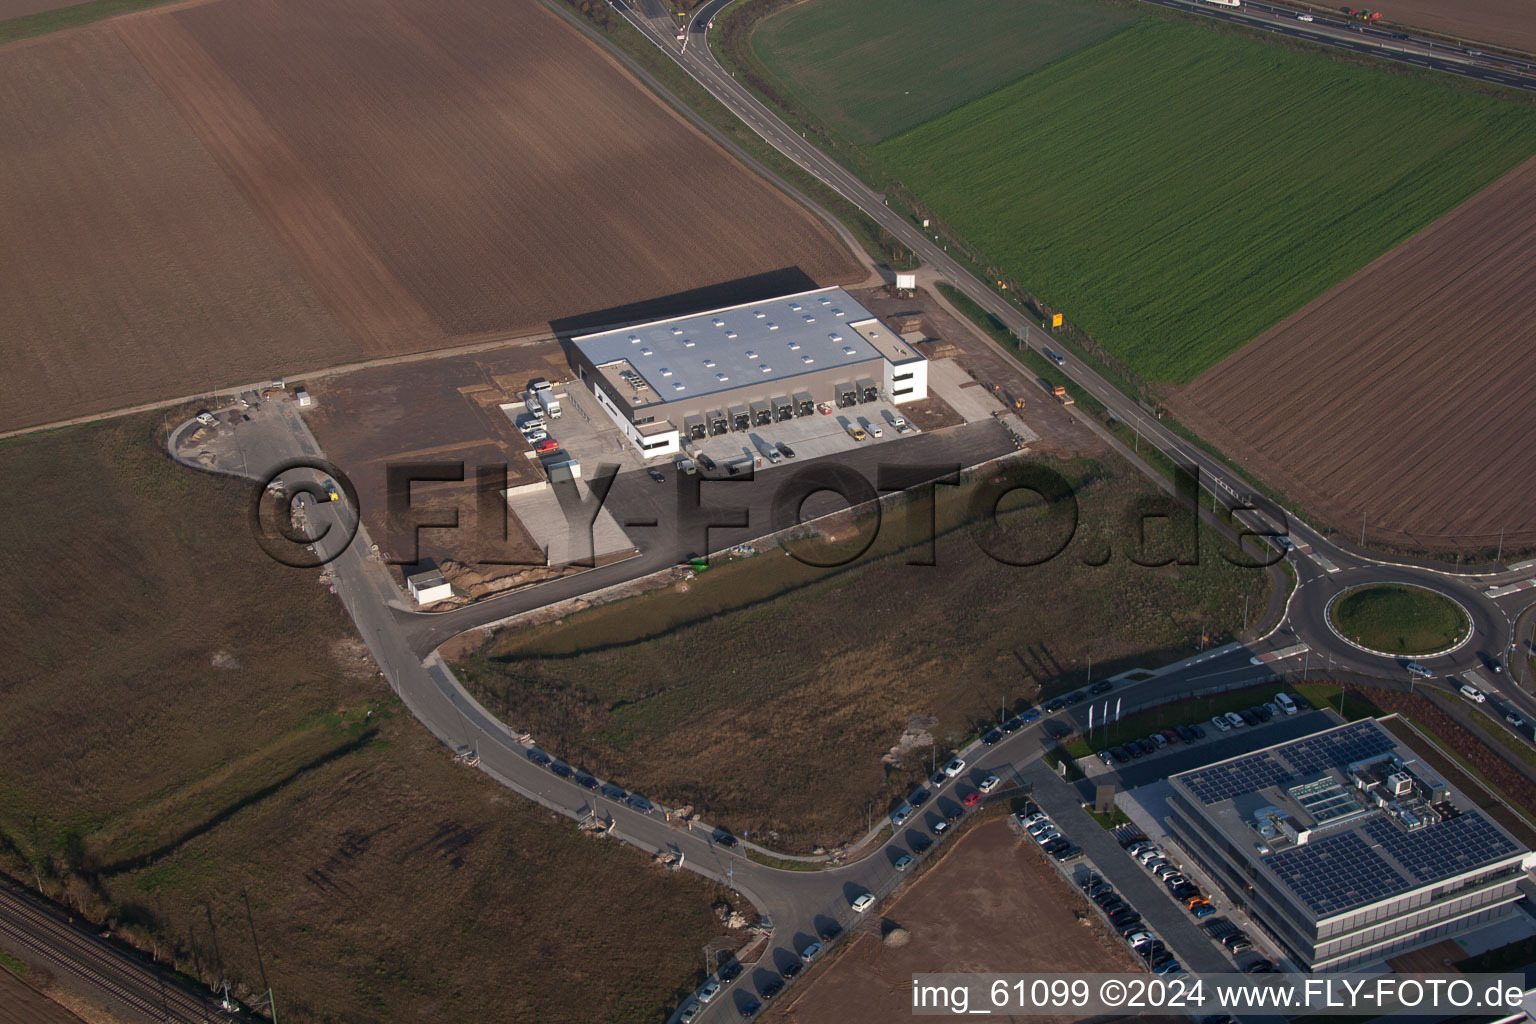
[{"x": 1062, "y": 396}]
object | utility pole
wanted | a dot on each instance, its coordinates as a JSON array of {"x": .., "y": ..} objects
[
  {"x": 1245, "y": 613},
  {"x": 1500, "y": 556},
  {"x": 1362, "y": 529}
]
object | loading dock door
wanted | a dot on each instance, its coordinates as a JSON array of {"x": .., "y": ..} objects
[
  {"x": 762, "y": 414},
  {"x": 740, "y": 418},
  {"x": 693, "y": 426},
  {"x": 805, "y": 405},
  {"x": 718, "y": 424},
  {"x": 868, "y": 390},
  {"x": 846, "y": 396},
  {"x": 783, "y": 409}
]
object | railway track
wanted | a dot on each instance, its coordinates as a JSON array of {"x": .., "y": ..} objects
[{"x": 121, "y": 979}]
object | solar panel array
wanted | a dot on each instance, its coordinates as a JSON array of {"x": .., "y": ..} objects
[
  {"x": 1337, "y": 873},
  {"x": 1337, "y": 748},
  {"x": 1445, "y": 849},
  {"x": 1215, "y": 783}
]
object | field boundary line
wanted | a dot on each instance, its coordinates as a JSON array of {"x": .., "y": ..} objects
[{"x": 303, "y": 375}]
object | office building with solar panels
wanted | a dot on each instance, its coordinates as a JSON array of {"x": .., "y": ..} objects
[
  {"x": 668, "y": 382},
  {"x": 1345, "y": 847}
]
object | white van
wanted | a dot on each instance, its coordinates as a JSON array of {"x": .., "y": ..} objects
[
  {"x": 1285, "y": 704},
  {"x": 1472, "y": 693}
]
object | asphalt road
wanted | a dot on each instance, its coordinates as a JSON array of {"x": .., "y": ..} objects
[
  {"x": 1323, "y": 569},
  {"x": 800, "y": 903}
]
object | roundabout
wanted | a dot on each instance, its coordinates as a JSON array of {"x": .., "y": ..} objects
[{"x": 1399, "y": 620}]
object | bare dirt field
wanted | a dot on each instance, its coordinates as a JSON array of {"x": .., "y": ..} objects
[
  {"x": 473, "y": 166},
  {"x": 131, "y": 267},
  {"x": 1403, "y": 394},
  {"x": 395, "y": 179},
  {"x": 1508, "y": 23},
  {"x": 438, "y": 410},
  {"x": 992, "y": 904}
]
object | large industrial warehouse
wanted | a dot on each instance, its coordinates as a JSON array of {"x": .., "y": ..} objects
[
  {"x": 1345, "y": 847},
  {"x": 670, "y": 381}
]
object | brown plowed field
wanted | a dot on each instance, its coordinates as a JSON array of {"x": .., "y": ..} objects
[
  {"x": 1407, "y": 394},
  {"x": 421, "y": 173},
  {"x": 1510, "y": 23},
  {"x": 503, "y": 171},
  {"x": 130, "y": 267}
]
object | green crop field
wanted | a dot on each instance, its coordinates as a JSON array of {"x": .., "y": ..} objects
[
  {"x": 873, "y": 68},
  {"x": 1176, "y": 191}
]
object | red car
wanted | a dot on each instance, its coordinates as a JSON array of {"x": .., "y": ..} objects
[
  {"x": 971, "y": 799},
  {"x": 547, "y": 445}
]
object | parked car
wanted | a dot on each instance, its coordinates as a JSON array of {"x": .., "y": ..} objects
[
  {"x": 899, "y": 815},
  {"x": 1107, "y": 758},
  {"x": 1121, "y": 918},
  {"x": 1137, "y": 939},
  {"x": 1185, "y": 891},
  {"x": 940, "y": 827},
  {"x": 971, "y": 799},
  {"x": 991, "y": 736},
  {"x": 1157, "y": 740},
  {"x": 1236, "y": 720},
  {"x": 1221, "y": 723},
  {"x": 989, "y": 783},
  {"x": 690, "y": 1010},
  {"x": 1198, "y": 730},
  {"x": 1032, "y": 715},
  {"x": 954, "y": 768},
  {"x": 1119, "y": 754},
  {"x": 1285, "y": 704},
  {"x": 1264, "y": 712},
  {"x": 613, "y": 792},
  {"x": 1164, "y": 870},
  {"x": 863, "y": 902},
  {"x": 640, "y": 803},
  {"x": 586, "y": 781},
  {"x": 1185, "y": 733},
  {"x": 1056, "y": 846},
  {"x": 902, "y": 863},
  {"x": 785, "y": 450},
  {"x": 830, "y": 932},
  {"x": 549, "y": 444},
  {"x": 1248, "y": 717},
  {"x": 1101, "y": 687},
  {"x": 1012, "y": 725},
  {"x": 791, "y": 969},
  {"x": 810, "y": 952},
  {"x": 1171, "y": 736},
  {"x": 729, "y": 971},
  {"x": 708, "y": 990},
  {"x": 918, "y": 798},
  {"x": 773, "y": 987}
]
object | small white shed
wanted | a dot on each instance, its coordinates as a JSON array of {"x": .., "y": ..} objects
[{"x": 429, "y": 587}]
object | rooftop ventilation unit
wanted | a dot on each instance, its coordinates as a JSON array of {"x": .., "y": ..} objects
[{"x": 759, "y": 313}]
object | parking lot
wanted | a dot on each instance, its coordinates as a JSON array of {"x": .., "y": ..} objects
[{"x": 808, "y": 437}]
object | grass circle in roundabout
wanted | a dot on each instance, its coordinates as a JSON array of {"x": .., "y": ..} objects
[{"x": 1399, "y": 619}]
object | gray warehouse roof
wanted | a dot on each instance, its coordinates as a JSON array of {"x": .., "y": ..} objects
[
  {"x": 1355, "y": 850},
  {"x": 740, "y": 346}
]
